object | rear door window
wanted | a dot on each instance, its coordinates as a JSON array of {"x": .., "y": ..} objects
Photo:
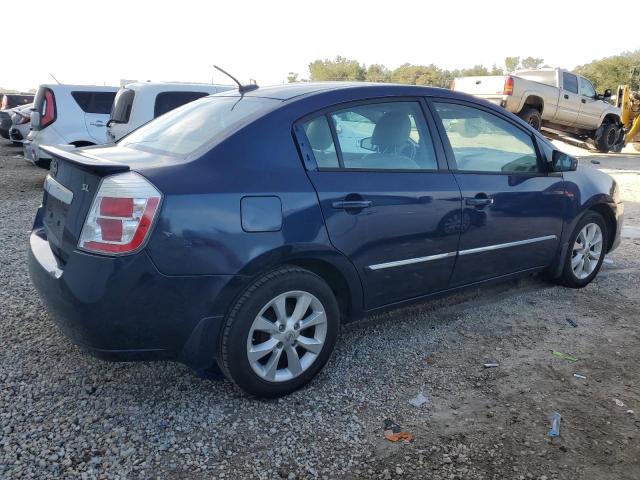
[
  {"x": 569, "y": 82},
  {"x": 376, "y": 136},
  {"x": 94, "y": 102},
  {"x": 167, "y": 101}
]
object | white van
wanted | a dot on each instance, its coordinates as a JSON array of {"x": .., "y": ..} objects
[
  {"x": 68, "y": 114},
  {"x": 141, "y": 102}
]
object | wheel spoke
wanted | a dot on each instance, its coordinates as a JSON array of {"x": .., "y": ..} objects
[
  {"x": 594, "y": 255},
  {"x": 271, "y": 367},
  {"x": 316, "y": 318},
  {"x": 576, "y": 260},
  {"x": 586, "y": 266},
  {"x": 302, "y": 305},
  {"x": 293, "y": 360},
  {"x": 310, "y": 344},
  {"x": 280, "y": 307},
  {"x": 258, "y": 351},
  {"x": 263, "y": 325},
  {"x": 597, "y": 238},
  {"x": 591, "y": 231}
]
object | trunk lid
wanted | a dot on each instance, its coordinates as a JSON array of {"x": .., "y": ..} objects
[{"x": 70, "y": 187}]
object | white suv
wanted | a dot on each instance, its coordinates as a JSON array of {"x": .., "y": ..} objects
[
  {"x": 68, "y": 114},
  {"x": 139, "y": 103}
]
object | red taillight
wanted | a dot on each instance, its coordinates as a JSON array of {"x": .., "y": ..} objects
[
  {"x": 508, "y": 86},
  {"x": 49, "y": 114},
  {"x": 121, "y": 215},
  {"x": 23, "y": 120}
]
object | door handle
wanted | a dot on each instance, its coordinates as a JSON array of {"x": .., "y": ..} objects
[
  {"x": 478, "y": 202},
  {"x": 566, "y": 96},
  {"x": 97, "y": 124},
  {"x": 351, "y": 204}
]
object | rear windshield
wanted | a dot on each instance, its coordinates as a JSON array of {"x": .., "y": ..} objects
[
  {"x": 187, "y": 128},
  {"x": 167, "y": 101},
  {"x": 122, "y": 105},
  {"x": 94, "y": 102},
  {"x": 12, "y": 100}
]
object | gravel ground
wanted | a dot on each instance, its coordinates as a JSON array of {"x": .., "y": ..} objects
[{"x": 64, "y": 414}]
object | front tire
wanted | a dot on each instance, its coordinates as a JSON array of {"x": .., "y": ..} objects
[
  {"x": 279, "y": 333},
  {"x": 587, "y": 246},
  {"x": 607, "y": 140}
]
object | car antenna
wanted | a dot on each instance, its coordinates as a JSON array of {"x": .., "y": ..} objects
[
  {"x": 53, "y": 76},
  {"x": 241, "y": 88}
]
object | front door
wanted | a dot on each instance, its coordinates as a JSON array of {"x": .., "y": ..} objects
[
  {"x": 389, "y": 205},
  {"x": 569, "y": 101},
  {"x": 512, "y": 208},
  {"x": 591, "y": 107}
]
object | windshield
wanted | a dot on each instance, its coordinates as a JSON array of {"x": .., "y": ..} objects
[{"x": 187, "y": 128}]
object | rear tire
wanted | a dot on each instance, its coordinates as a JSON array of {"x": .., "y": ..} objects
[
  {"x": 574, "y": 272},
  {"x": 265, "y": 319},
  {"x": 607, "y": 141},
  {"x": 532, "y": 116}
]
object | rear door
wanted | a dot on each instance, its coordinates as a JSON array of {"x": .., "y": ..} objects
[
  {"x": 512, "y": 208},
  {"x": 390, "y": 204},
  {"x": 569, "y": 101},
  {"x": 590, "y": 106},
  {"x": 97, "y": 111}
]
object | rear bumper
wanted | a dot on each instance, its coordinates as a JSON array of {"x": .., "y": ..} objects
[{"x": 122, "y": 308}]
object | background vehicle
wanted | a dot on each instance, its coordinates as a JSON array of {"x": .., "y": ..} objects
[
  {"x": 628, "y": 100},
  {"x": 7, "y": 102},
  {"x": 137, "y": 103},
  {"x": 68, "y": 114},
  {"x": 552, "y": 98},
  {"x": 246, "y": 227},
  {"x": 20, "y": 123}
]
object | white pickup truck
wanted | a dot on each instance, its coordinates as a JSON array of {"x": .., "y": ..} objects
[{"x": 552, "y": 98}]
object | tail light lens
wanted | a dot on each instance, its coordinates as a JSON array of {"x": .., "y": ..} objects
[
  {"x": 121, "y": 215},
  {"x": 49, "y": 109},
  {"x": 508, "y": 86},
  {"x": 23, "y": 120}
]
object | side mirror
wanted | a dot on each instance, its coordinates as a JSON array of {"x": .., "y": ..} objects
[
  {"x": 367, "y": 144},
  {"x": 607, "y": 93},
  {"x": 561, "y": 162}
]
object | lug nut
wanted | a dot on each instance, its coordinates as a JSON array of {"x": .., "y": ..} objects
[
  {"x": 279, "y": 345},
  {"x": 296, "y": 326},
  {"x": 281, "y": 328}
]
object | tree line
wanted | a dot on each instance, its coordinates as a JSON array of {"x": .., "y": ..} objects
[{"x": 605, "y": 73}]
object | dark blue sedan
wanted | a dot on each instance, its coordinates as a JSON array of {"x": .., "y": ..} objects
[{"x": 244, "y": 228}]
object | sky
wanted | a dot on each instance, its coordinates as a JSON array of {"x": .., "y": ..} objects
[{"x": 102, "y": 42}]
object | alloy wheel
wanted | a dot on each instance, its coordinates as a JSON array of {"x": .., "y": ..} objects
[
  {"x": 587, "y": 250},
  {"x": 287, "y": 336}
]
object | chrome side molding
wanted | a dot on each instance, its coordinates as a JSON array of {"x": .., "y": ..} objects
[
  {"x": 408, "y": 261},
  {"x": 506, "y": 245}
]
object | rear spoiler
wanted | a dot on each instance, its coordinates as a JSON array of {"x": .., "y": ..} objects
[{"x": 84, "y": 160}]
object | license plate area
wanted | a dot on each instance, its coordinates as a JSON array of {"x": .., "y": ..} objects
[{"x": 55, "y": 214}]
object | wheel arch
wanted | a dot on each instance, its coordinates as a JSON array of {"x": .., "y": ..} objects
[
  {"x": 610, "y": 221},
  {"x": 329, "y": 264},
  {"x": 534, "y": 101}
]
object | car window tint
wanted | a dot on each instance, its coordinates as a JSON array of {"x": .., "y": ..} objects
[
  {"x": 483, "y": 142},
  {"x": 167, "y": 101},
  {"x": 569, "y": 82},
  {"x": 586, "y": 88},
  {"x": 319, "y": 136},
  {"x": 390, "y": 136},
  {"x": 191, "y": 126},
  {"x": 94, "y": 102}
]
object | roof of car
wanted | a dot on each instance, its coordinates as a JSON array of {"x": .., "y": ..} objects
[
  {"x": 82, "y": 88},
  {"x": 165, "y": 86},
  {"x": 293, "y": 90}
]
